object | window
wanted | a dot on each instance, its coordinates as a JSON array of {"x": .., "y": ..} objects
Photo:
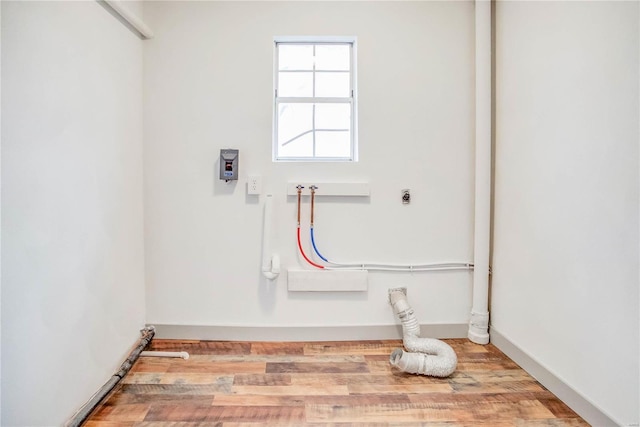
[{"x": 314, "y": 102}]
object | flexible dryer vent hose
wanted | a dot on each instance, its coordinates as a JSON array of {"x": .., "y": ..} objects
[{"x": 426, "y": 356}]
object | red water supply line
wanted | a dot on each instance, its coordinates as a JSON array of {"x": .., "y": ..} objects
[{"x": 300, "y": 187}]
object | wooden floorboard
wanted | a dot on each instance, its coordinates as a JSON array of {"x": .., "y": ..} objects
[{"x": 351, "y": 383}]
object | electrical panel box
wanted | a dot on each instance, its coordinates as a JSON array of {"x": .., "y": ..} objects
[{"x": 229, "y": 164}]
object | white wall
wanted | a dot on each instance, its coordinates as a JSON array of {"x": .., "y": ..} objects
[
  {"x": 208, "y": 85},
  {"x": 72, "y": 265},
  {"x": 565, "y": 268}
]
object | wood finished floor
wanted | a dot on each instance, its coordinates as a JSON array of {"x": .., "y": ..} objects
[{"x": 235, "y": 384}]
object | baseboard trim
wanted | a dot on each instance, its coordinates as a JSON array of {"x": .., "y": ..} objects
[
  {"x": 581, "y": 405},
  {"x": 303, "y": 333}
]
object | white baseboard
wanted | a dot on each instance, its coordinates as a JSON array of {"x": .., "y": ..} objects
[
  {"x": 581, "y": 405},
  {"x": 303, "y": 333}
]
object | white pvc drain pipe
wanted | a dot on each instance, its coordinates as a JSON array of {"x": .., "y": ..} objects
[
  {"x": 479, "y": 321},
  {"x": 174, "y": 354},
  {"x": 425, "y": 356}
]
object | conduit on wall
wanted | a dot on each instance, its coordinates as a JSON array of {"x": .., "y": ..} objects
[
  {"x": 479, "y": 322},
  {"x": 369, "y": 266},
  {"x": 270, "y": 262}
]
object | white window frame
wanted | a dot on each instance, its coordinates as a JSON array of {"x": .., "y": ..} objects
[{"x": 351, "y": 100}]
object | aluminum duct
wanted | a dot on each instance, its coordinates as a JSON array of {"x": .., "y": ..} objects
[{"x": 425, "y": 356}]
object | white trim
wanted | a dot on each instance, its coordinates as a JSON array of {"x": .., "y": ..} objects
[
  {"x": 130, "y": 19},
  {"x": 310, "y": 100},
  {"x": 302, "y": 333},
  {"x": 315, "y": 39},
  {"x": 0, "y": 218},
  {"x": 576, "y": 401},
  {"x": 351, "y": 99}
]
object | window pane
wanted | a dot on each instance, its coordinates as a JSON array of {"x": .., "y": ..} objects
[
  {"x": 295, "y": 84},
  {"x": 333, "y": 116},
  {"x": 301, "y": 147},
  {"x": 312, "y": 72},
  {"x": 295, "y": 123},
  {"x": 333, "y": 144},
  {"x": 295, "y": 57},
  {"x": 332, "y": 84},
  {"x": 333, "y": 57}
]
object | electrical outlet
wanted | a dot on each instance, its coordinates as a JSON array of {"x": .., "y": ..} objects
[{"x": 254, "y": 185}]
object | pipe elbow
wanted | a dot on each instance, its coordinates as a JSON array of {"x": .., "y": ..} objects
[
  {"x": 398, "y": 300},
  {"x": 275, "y": 264},
  {"x": 431, "y": 346},
  {"x": 269, "y": 275},
  {"x": 423, "y": 364},
  {"x": 479, "y": 328},
  {"x": 272, "y": 270}
]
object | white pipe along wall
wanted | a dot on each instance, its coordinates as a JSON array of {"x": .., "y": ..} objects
[
  {"x": 270, "y": 262},
  {"x": 130, "y": 19},
  {"x": 479, "y": 322},
  {"x": 172, "y": 354}
]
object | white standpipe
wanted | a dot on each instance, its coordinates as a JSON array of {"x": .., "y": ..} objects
[
  {"x": 479, "y": 322},
  {"x": 426, "y": 356},
  {"x": 270, "y": 263}
]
